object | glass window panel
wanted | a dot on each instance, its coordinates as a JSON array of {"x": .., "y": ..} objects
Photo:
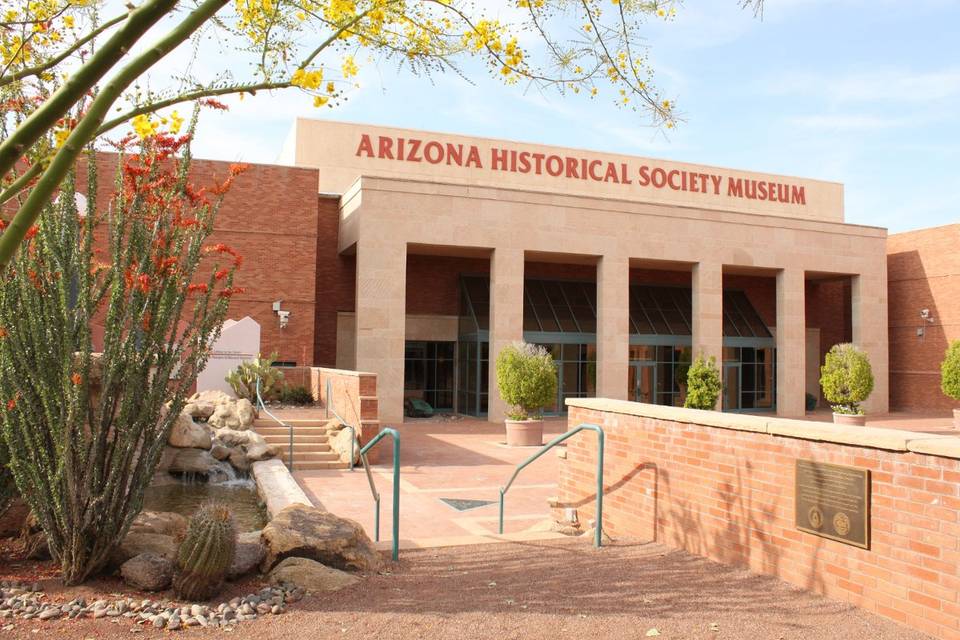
[
  {"x": 748, "y": 377},
  {"x": 747, "y": 401},
  {"x": 586, "y": 319},
  {"x": 731, "y": 354},
  {"x": 445, "y": 350},
  {"x": 642, "y": 352},
  {"x": 570, "y": 381},
  {"x": 570, "y": 352},
  {"x": 416, "y": 349},
  {"x": 575, "y": 294},
  {"x": 547, "y": 319},
  {"x": 534, "y": 289},
  {"x": 748, "y": 354},
  {"x": 664, "y": 354},
  {"x": 530, "y": 321}
]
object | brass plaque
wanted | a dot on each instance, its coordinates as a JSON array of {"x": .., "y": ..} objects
[{"x": 833, "y": 501}]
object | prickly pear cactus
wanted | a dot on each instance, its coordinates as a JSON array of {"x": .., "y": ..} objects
[{"x": 206, "y": 553}]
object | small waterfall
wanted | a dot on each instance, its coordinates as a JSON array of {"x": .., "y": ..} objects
[{"x": 223, "y": 473}]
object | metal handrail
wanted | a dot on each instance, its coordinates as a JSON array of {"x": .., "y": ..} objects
[
  {"x": 289, "y": 427},
  {"x": 396, "y": 486},
  {"x": 598, "y": 529}
]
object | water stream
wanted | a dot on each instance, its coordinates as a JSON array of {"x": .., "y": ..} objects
[{"x": 187, "y": 494}]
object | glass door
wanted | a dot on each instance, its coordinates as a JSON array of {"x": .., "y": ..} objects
[
  {"x": 731, "y": 386},
  {"x": 641, "y": 381}
]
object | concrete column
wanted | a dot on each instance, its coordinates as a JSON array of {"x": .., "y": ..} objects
[
  {"x": 381, "y": 321},
  {"x": 791, "y": 344},
  {"x": 868, "y": 297},
  {"x": 707, "y": 300},
  {"x": 613, "y": 327},
  {"x": 506, "y": 317}
]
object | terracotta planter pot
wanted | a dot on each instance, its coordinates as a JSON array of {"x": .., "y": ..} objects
[
  {"x": 956, "y": 419},
  {"x": 524, "y": 433},
  {"x": 846, "y": 418}
]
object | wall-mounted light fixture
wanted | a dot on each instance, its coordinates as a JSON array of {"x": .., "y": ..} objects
[{"x": 283, "y": 315}]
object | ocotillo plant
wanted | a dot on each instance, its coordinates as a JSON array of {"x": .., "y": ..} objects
[
  {"x": 206, "y": 553},
  {"x": 85, "y": 431}
]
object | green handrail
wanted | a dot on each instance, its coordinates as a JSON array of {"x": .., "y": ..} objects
[
  {"x": 598, "y": 529},
  {"x": 395, "y": 550},
  {"x": 261, "y": 405}
]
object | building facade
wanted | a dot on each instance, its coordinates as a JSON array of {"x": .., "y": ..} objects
[{"x": 623, "y": 267}]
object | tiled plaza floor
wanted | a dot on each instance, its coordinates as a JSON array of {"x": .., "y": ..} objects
[{"x": 462, "y": 460}]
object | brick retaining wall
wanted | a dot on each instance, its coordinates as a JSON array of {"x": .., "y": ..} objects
[{"x": 722, "y": 486}]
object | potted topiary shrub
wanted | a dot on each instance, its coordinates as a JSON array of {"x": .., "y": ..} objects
[
  {"x": 847, "y": 380},
  {"x": 527, "y": 379},
  {"x": 703, "y": 384},
  {"x": 950, "y": 377}
]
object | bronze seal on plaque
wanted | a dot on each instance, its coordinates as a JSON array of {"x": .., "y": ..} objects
[
  {"x": 815, "y": 518},
  {"x": 841, "y": 524}
]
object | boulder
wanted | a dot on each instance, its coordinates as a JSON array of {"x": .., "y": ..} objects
[
  {"x": 193, "y": 461},
  {"x": 13, "y": 518},
  {"x": 234, "y": 438},
  {"x": 311, "y": 575},
  {"x": 341, "y": 445},
  {"x": 147, "y": 572},
  {"x": 199, "y": 410},
  {"x": 552, "y": 526},
  {"x": 249, "y": 555},
  {"x": 166, "y": 523},
  {"x": 239, "y": 459},
  {"x": 166, "y": 458},
  {"x": 308, "y": 532},
  {"x": 258, "y": 451},
  {"x": 219, "y": 452},
  {"x": 246, "y": 413},
  {"x": 225, "y": 415},
  {"x": 138, "y": 542},
  {"x": 187, "y": 433},
  {"x": 211, "y": 396},
  {"x": 33, "y": 539}
]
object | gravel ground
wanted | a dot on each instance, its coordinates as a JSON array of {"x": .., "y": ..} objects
[{"x": 556, "y": 589}]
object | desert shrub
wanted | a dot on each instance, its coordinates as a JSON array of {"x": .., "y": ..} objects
[
  {"x": 206, "y": 553},
  {"x": 950, "y": 371},
  {"x": 85, "y": 431},
  {"x": 243, "y": 379},
  {"x": 527, "y": 379},
  {"x": 703, "y": 384},
  {"x": 846, "y": 378},
  {"x": 296, "y": 394}
]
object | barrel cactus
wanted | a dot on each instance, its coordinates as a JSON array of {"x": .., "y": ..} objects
[{"x": 206, "y": 553}]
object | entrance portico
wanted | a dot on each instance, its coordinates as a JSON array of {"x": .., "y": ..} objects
[{"x": 391, "y": 210}]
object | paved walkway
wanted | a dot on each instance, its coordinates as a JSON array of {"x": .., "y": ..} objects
[{"x": 461, "y": 460}]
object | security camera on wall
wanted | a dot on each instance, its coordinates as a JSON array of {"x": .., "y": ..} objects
[{"x": 284, "y": 318}]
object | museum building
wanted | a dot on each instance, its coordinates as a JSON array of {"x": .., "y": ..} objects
[{"x": 418, "y": 256}]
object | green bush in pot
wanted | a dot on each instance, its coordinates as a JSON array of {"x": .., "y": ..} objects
[
  {"x": 527, "y": 379},
  {"x": 846, "y": 378}
]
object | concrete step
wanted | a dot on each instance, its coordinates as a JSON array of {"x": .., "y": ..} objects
[
  {"x": 268, "y": 422},
  {"x": 285, "y": 439},
  {"x": 297, "y": 431},
  {"x": 299, "y": 465},
  {"x": 311, "y": 456},
  {"x": 303, "y": 448}
]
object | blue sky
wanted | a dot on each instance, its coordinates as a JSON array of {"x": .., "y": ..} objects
[{"x": 861, "y": 92}]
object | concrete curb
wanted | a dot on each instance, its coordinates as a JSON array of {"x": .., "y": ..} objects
[{"x": 276, "y": 486}]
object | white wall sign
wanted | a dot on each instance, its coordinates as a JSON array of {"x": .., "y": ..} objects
[{"x": 239, "y": 341}]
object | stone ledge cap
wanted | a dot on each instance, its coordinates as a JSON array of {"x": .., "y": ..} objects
[
  {"x": 733, "y": 421},
  {"x": 936, "y": 445},
  {"x": 873, "y": 437}
]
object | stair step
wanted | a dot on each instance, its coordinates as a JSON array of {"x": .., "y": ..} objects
[
  {"x": 268, "y": 422},
  {"x": 303, "y": 448},
  {"x": 297, "y": 431},
  {"x": 311, "y": 456},
  {"x": 317, "y": 466},
  {"x": 285, "y": 439}
]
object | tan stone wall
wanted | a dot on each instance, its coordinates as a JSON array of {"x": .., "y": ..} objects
[{"x": 386, "y": 217}]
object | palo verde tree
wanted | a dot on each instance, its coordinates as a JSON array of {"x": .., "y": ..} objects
[
  {"x": 73, "y": 70},
  {"x": 84, "y": 431}
]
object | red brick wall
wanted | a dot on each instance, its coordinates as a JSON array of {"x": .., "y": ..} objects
[
  {"x": 923, "y": 272},
  {"x": 728, "y": 495},
  {"x": 270, "y": 217},
  {"x": 335, "y": 285}
]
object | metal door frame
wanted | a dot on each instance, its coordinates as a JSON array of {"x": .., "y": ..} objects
[{"x": 637, "y": 376}]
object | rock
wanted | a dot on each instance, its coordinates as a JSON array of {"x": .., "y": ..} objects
[
  {"x": 219, "y": 452},
  {"x": 147, "y": 572},
  {"x": 199, "y": 410},
  {"x": 239, "y": 459},
  {"x": 249, "y": 555},
  {"x": 332, "y": 425},
  {"x": 311, "y": 575},
  {"x": 245, "y": 413},
  {"x": 231, "y": 438},
  {"x": 193, "y": 461},
  {"x": 138, "y": 542},
  {"x": 162, "y": 522},
  {"x": 308, "y": 532},
  {"x": 33, "y": 539},
  {"x": 225, "y": 415},
  {"x": 341, "y": 445},
  {"x": 166, "y": 458},
  {"x": 591, "y": 532},
  {"x": 187, "y": 433},
  {"x": 211, "y": 396},
  {"x": 258, "y": 451},
  {"x": 13, "y": 518}
]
